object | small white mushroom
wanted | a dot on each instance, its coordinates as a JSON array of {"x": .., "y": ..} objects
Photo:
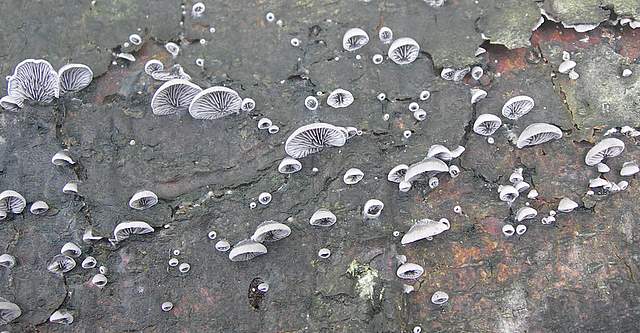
[
  {"x": 270, "y": 231},
  {"x": 532, "y": 194},
  {"x": 7, "y": 260},
  {"x": 340, "y": 98},
  {"x": 62, "y": 158},
  {"x": 404, "y": 186},
  {"x": 38, "y": 207},
  {"x": 522, "y": 186},
  {"x": 246, "y": 250},
  {"x": 567, "y": 205},
  {"x": 324, "y": 253},
  {"x": 264, "y": 123},
  {"x": 263, "y": 287},
  {"x": 425, "y": 229},
  {"x": 566, "y": 66},
  {"x": 143, "y": 199},
  {"x": 71, "y": 250},
  {"x": 273, "y": 129},
  {"x": 487, "y": 124},
  {"x": 184, "y": 267},
  {"x": 508, "y": 193},
  {"x": 477, "y": 95},
  {"x": 323, "y": 218},
  {"x": 385, "y": 34},
  {"x": 372, "y": 209},
  {"x": 629, "y": 169},
  {"x": 623, "y": 185},
  {"x": 548, "y": 220},
  {"x": 439, "y": 298},
  {"x": 477, "y": 72},
  {"x": 89, "y": 262},
  {"x": 396, "y": 174},
  {"x": 516, "y": 176},
  {"x": 353, "y": 176},
  {"x": 517, "y": 107},
  {"x": 264, "y": 198},
  {"x": 603, "y": 168},
  {"x": 8, "y": 311},
  {"x": 173, "y": 262},
  {"x": 538, "y": 133},
  {"x": 508, "y": 230},
  {"x": 311, "y": 103},
  {"x": 70, "y": 188},
  {"x": 626, "y": 72},
  {"x": 166, "y": 306},
  {"x": 525, "y": 213},
  {"x": 609, "y": 147},
  {"x": 99, "y": 280},
  {"x": 62, "y": 316},
  {"x": 434, "y": 182},
  {"x": 409, "y": 271},
  {"x": 454, "y": 171},
  {"x": 403, "y": 51},
  {"x": 598, "y": 182},
  {"x": 354, "y": 39},
  {"x": 420, "y": 115},
  {"x": 521, "y": 229},
  {"x": 407, "y": 288},
  {"x": 11, "y": 201},
  {"x": 289, "y": 165},
  {"x": 61, "y": 264},
  {"x": 222, "y": 245},
  {"x": 88, "y": 236}
]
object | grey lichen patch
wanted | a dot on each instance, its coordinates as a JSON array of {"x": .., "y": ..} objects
[
  {"x": 601, "y": 97},
  {"x": 577, "y": 11},
  {"x": 366, "y": 279},
  {"x": 509, "y": 23}
]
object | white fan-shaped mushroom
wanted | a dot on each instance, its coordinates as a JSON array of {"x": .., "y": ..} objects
[
  {"x": 246, "y": 250},
  {"x": 222, "y": 245},
  {"x": 439, "y": 297},
  {"x": 508, "y": 230},
  {"x": 8, "y": 311},
  {"x": 339, "y": 98},
  {"x": 599, "y": 182},
  {"x": 385, "y": 34},
  {"x": 74, "y": 77},
  {"x": 70, "y": 188},
  {"x": 516, "y": 176},
  {"x": 459, "y": 74},
  {"x": 248, "y": 104},
  {"x": 173, "y": 96},
  {"x": 567, "y": 205},
  {"x": 289, "y": 165},
  {"x": 353, "y": 176},
  {"x": 525, "y": 213},
  {"x": 99, "y": 280},
  {"x": 172, "y": 48},
  {"x": 323, "y": 218},
  {"x": 61, "y": 264},
  {"x": 153, "y": 66},
  {"x": 409, "y": 271},
  {"x": 35, "y": 80},
  {"x": 62, "y": 316},
  {"x": 404, "y": 51},
  {"x": 143, "y": 199},
  {"x": 538, "y": 133},
  {"x": 427, "y": 167},
  {"x": 175, "y": 72},
  {"x": 62, "y": 158},
  {"x": 609, "y": 147},
  {"x": 487, "y": 124},
  {"x": 404, "y": 186},
  {"x": 89, "y": 262},
  {"x": 566, "y": 66},
  {"x": 354, "y": 39},
  {"x": 214, "y": 103},
  {"x": 264, "y": 123},
  {"x": 521, "y": 229},
  {"x": 372, "y": 209},
  {"x": 39, "y": 207},
  {"x": 313, "y": 138},
  {"x": 7, "y": 260},
  {"x": 447, "y": 73},
  {"x": 425, "y": 228},
  {"x": 12, "y": 103},
  {"x": 311, "y": 103},
  {"x": 89, "y": 237},
  {"x": 532, "y": 194},
  {"x": 396, "y": 174},
  {"x": 264, "y": 198},
  {"x": 12, "y": 201},
  {"x": 508, "y": 193},
  {"x": 477, "y": 72},
  {"x": 125, "y": 229},
  {"x": 517, "y": 107},
  {"x": 443, "y": 153},
  {"x": 522, "y": 186},
  {"x": 629, "y": 169},
  {"x": 270, "y": 231},
  {"x": 477, "y": 95},
  {"x": 71, "y": 250},
  {"x": 603, "y": 168}
]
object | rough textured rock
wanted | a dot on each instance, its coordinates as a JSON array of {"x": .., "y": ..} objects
[{"x": 578, "y": 274}]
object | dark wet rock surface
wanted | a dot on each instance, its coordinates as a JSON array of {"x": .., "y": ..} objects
[{"x": 578, "y": 274}]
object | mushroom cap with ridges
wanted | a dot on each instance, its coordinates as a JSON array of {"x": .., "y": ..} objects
[
  {"x": 246, "y": 250},
  {"x": 609, "y": 147},
  {"x": 271, "y": 231},
  {"x": 425, "y": 228},
  {"x": 323, "y": 218},
  {"x": 409, "y": 271}
]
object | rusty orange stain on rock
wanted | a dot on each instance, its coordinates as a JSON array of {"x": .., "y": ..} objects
[
  {"x": 465, "y": 255},
  {"x": 504, "y": 60}
]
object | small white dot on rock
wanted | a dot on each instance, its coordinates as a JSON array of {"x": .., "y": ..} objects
[{"x": 132, "y": 142}]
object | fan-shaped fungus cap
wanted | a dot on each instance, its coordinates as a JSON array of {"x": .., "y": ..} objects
[
  {"x": 487, "y": 124},
  {"x": 354, "y": 39},
  {"x": 8, "y": 311},
  {"x": 598, "y": 182},
  {"x": 538, "y": 133},
  {"x": 508, "y": 230},
  {"x": 61, "y": 264},
  {"x": 532, "y": 194},
  {"x": 264, "y": 123},
  {"x": 223, "y": 245},
  {"x": 609, "y": 147},
  {"x": 409, "y": 271},
  {"x": 525, "y": 213},
  {"x": 340, "y": 98},
  {"x": 404, "y": 51},
  {"x": 385, "y": 34},
  {"x": 125, "y": 229},
  {"x": 516, "y": 176},
  {"x": 508, "y": 193},
  {"x": 439, "y": 297},
  {"x": 313, "y": 138},
  {"x": 425, "y": 228},
  {"x": 143, "y": 200},
  {"x": 323, "y": 218},
  {"x": 74, "y": 77},
  {"x": 264, "y": 198},
  {"x": 62, "y": 158},
  {"x": 271, "y": 231},
  {"x": 324, "y": 253},
  {"x": 289, "y": 165},
  {"x": 372, "y": 209},
  {"x": 477, "y": 72},
  {"x": 443, "y": 153},
  {"x": 71, "y": 250},
  {"x": 427, "y": 167},
  {"x": 246, "y": 250},
  {"x": 35, "y": 80},
  {"x": 353, "y": 176},
  {"x": 567, "y": 205},
  {"x": 12, "y": 103},
  {"x": 174, "y": 72},
  {"x": 39, "y": 207},
  {"x": 522, "y": 186},
  {"x": 311, "y": 103},
  {"x": 214, "y": 103},
  {"x": 396, "y": 174},
  {"x": 62, "y": 316},
  {"x": 153, "y": 66},
  {"x": 70, "y": 188},
  {"x": 174, "y": 96},
  {"x": 7, "y": 260},
  {"x": 629, "y": 169},
  {"x": 517, "y": 107},
  {"x": 404, "y": 186},
  {"x": 477, "y": 95},
  {"x": 521, "y": 229},
  {"x": 603, "y": 168},
  {"x": 12, "y": 201},
  {"x": 99, "y": 280},
  {"x": 89, "y": 262}
]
